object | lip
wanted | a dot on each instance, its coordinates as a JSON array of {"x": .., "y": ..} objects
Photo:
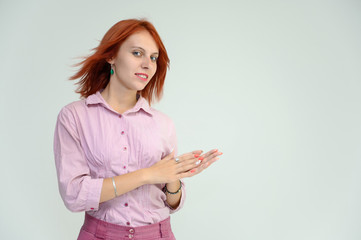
[{"x": 141, "y": 78}]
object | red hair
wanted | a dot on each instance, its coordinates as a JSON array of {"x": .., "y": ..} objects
[{"x": 94, "y": 73}]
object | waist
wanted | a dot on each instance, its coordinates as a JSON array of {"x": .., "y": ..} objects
[
  {"x": 104, "y": 229},
  {"x": 128, "y": 209}
]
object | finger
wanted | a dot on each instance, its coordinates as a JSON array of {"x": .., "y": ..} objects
[
  {"x": 188, "y": 174},
  {"x": 191, "y": 165},
  {"x": 186, "y": 166},
  {"x": 209, "y": 163},
  {"x": 202, "y": 160},
  {"x": 206, "y": 164},
  {"x": 198, "y": 169},
  {"x": 199, "y": 152},
  {"x": 171, "y": 155},
  {"x": 198, "y": 161},
  {"x": 211, "y": 156},
  {"x": 207, "y": 154},
  {"x": 188, "y": 158},
  {"x": 191, "y": 155}
]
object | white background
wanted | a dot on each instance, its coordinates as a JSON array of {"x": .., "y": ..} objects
[{"x": 275, "y": 85}]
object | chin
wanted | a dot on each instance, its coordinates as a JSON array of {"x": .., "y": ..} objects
[{"x": 140, "y": 87}]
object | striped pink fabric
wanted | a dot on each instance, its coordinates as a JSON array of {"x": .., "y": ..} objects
[{"x": 93, "y": 142}]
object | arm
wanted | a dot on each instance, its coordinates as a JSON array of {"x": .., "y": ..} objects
[
  {"x": 124, "y": 183},
  {"x": 173, "y": 200},
  {"x": 166, "y": 170},
  {"x": 130, "y": 181},
  {"x": 78, "y": 190},
  {"x": 82, "y": 193},
  {"x": 152, "y": 175}
]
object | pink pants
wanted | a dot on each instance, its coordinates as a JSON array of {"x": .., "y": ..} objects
[{"x": 94, "y": 229}]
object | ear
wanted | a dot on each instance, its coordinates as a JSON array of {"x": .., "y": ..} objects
[{"x": 111, "y": 61}]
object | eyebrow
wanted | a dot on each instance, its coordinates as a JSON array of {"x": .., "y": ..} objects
[{"x": 144, "y": 49}]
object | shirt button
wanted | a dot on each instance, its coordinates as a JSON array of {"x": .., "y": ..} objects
[
  {"x": 131, "y": 236},
  {"x": 131, "y": 230},
  {"x": 120, "y": 115},
  {"x": 126, "y": 204},
  {"x": 128, "y": 223},
  {"x": 124, "y": 167},
  {"x": 125, "y": 148},
  {"x": 122, "y": 132}
]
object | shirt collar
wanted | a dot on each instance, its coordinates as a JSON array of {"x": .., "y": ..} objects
[{"x": 97, "y": 98}]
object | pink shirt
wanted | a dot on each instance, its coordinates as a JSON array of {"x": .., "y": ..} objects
[{"x": 93, "y": 142}]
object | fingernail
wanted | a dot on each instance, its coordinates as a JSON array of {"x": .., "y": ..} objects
[
  {"x": 220, "y": 153},
  {"x": 192, "y": 171},
  {"x": 201, "y": 158},
  {"x": 198, "y": 162},
  {"x": 196, "y": 155}
]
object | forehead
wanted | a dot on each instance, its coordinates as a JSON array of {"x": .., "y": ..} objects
[{"x": 141, "y": 39}]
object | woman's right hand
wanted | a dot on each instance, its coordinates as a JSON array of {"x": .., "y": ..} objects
[{"x": 168, "y": 170}]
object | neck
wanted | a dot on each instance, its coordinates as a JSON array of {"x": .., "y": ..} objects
[{"x": 118, "y": 98}]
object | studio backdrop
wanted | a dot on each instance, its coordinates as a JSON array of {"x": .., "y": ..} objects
[{"x": 274, "y": 85}]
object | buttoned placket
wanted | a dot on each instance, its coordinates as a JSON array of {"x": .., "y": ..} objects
[
  {"x": 124, "y": 155},
  {"x": 124, "y": 148}
]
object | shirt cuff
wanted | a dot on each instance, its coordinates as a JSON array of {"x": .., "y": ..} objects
[
  {"x": 181, "y": 203},
  {"x": 93, "y": 199}
]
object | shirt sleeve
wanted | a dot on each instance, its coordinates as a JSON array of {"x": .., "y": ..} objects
[
  {"x": 78, "y": 190},
  {"x": 173, "y": 141},
  {"x": 183, "y": 197}
]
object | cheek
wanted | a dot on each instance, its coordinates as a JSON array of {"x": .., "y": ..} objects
[
  {"x": 154, "y": 70},
  {"x": 120, "y": 66},
  {"x": 128, "y": 64}
]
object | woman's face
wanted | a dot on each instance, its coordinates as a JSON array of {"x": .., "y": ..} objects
[{"x": 136, "y": 61}]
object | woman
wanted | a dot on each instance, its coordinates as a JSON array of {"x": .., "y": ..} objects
[{"x": 114, "y": 154}]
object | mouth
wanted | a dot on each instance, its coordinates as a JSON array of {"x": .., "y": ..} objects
[{"x": 142, "y": 76}]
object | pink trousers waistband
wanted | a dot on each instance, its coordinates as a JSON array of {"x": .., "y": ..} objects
[{"x": 104, "y": 230}]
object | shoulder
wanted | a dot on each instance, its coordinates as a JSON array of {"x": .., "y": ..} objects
[
  {"x": 72, "y": 109},
  {"x": 76, "y": 105},
  {"x": 164, "y": 122},
  {"x": 160, "y": 116}
]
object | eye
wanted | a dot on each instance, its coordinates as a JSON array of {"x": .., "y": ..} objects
[
  {"x": 137, "y": 53},
  {"x": 153, "y": 58}
]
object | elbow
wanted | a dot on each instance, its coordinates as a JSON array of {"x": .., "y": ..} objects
[
  {"x": 73, "y": 206},
  {"x": 71, "y": 196},
  {"x": 79, "y": 196},
  {"x": 73, "y": 202}
]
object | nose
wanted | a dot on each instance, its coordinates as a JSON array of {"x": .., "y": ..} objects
[{"x": 146, "y": 63}]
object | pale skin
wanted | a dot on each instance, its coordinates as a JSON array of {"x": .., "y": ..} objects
[{"x": 137, "y": 55}]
